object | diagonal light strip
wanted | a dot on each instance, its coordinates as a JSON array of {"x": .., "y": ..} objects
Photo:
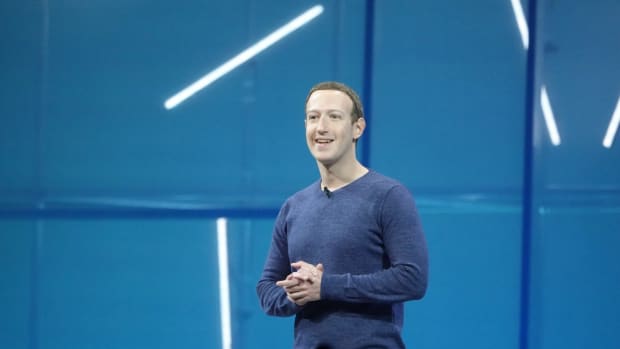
[
  {"x": 552, "y": 128},
  {"x": 222, "y": 256},
  {"x": 521, "y": 22},
  {"x": 244, "y": 56},
  {"x": 613, "y": 127}
]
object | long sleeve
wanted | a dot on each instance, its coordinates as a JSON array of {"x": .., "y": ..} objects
[
  {"x": 406, "y": 277},
  {"x": 277, "y": 266}
]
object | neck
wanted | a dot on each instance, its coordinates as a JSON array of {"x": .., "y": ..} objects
[{"x": 339, "y": 175}]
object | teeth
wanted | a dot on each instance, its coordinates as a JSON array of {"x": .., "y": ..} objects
[{"x": 323, "y": 141}]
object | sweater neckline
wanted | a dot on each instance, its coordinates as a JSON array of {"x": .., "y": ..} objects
[{"x": 348, "y": 185}]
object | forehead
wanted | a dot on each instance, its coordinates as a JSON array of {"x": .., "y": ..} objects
[{"x": 329, "y": 99}]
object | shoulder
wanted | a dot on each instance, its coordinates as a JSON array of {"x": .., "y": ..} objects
[
  {"x": 381, "y": 183},
  {"x": 395, "y": 203},
  {"x": 382, "y": 179},
  {"x": 387, "y": 191}
]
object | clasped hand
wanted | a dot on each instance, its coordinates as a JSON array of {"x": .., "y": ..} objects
[{"x": 303, "y": 285}]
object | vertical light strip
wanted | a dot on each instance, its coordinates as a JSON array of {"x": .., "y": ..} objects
[
  {"x": 552, "y": 128},
  {"x": 521, "y": 22},
  {"x": 608, "y": 141},
  {"x": 244, "y": 56},
  {"x": 222, "y": 255}
]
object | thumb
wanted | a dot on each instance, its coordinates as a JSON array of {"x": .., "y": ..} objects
[{"x": 320, "y": 267}]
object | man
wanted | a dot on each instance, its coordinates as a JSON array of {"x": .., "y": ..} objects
[{"x": 348, "y": 250}]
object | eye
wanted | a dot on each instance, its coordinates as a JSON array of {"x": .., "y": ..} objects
[
  {"x": 311, "y": 116},
  {"x": 334, "y": 116}
]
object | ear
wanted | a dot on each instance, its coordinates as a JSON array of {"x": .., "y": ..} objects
[{"x": 358, "y": 128}]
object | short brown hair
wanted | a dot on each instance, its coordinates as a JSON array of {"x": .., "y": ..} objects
[{"x": 357, "y": 110}]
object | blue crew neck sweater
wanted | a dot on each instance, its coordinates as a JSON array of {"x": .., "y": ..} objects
[{"x": 370, "y": 241}]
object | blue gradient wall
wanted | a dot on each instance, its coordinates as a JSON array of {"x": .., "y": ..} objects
[{"x": 108, "y": 201}]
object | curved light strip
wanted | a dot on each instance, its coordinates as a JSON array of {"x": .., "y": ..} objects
[
  {"x": 552, "y": 128},
  {"x": 608, "y": 141},
  {"x": 521, "y": 22},
  {"x": 222, "y": 257},
  {"x": 244, "y": 56}
]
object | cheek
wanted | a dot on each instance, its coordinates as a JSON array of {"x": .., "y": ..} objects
[{"x": 309, "y": 133}]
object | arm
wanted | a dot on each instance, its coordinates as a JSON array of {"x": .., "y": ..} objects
[
  {"x": 273, "y": 298},
  {"x": 405, "y": 245}
]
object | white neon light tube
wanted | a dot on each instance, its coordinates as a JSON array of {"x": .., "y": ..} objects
[
  {"x": 222, "y": 255},
  {"x": 552, "y": 128},
  {"x": 608, "y": 141},
  {"x": 244, "y": 56},
  {"x": 521, "y": 22}
]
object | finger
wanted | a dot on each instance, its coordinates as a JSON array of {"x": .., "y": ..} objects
[
  {"x": 297, "y": 295},
  {"x": 308, "y": 269},
  {"x": 302, "y": 276},
  {"x": 287, "y": 283},
  {"x": 298, "y": 264},
  {"x": 297, "y": 288},
  {"x": 292, "y": 289},
  {"x": 283, "y": 283},
  {"x": 297, "y": 302},
  {"x": 320, "y": 267}
]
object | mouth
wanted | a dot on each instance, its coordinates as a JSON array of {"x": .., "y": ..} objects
[{"x": 323, "y": 141}]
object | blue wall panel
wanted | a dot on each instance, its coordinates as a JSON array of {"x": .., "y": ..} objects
[
  {"x": 449, "y": 83},
  {"x": 579, "y": 67},
  {"x": 16, "y": 240},
  {"x": 111, "y": 66},
  {"x": 20, "y": 92},
  {"x": 112, "y": 284},
  {"x": 576, "y": 280}
]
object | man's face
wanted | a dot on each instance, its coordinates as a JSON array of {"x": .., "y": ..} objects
[{"x": 329, "y": 131}]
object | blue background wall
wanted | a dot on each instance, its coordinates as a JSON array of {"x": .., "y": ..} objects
[{"x": 108, "y": 201}]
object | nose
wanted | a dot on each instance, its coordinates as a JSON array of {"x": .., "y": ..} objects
[{"x": 321, "y": 126}]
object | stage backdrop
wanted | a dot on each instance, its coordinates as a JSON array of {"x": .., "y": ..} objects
[{"x": 122, "y": 221}]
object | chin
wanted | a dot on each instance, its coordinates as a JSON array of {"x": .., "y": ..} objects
[{"x": 327, "y": 162}]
